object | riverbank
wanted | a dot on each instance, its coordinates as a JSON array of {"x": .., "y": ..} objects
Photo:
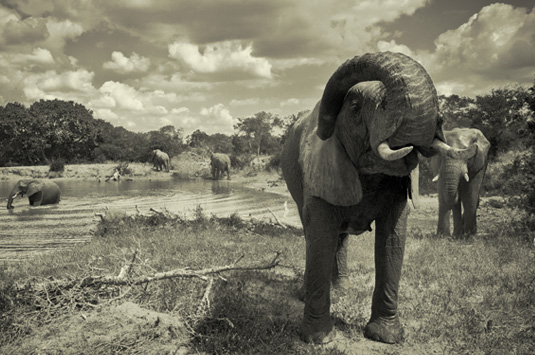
[{"x": 268, "y": 181}]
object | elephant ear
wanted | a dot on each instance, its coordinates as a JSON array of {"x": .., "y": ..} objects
[
  {"x": 34, "y": 188},
  {"x": 479, "y": 160},
  {"x": 328, "y": 171}
]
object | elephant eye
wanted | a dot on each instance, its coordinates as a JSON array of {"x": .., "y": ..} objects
[{"x": 355, "y": 106}]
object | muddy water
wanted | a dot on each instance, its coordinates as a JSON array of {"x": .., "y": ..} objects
[{"x": 28, "y": 230}]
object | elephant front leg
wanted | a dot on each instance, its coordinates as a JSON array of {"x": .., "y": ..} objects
[
  {"x": 443, "y": 220},
  {"x": 384, "y": 324},
  {"x": 458, "y": 229},
  {"x": 321, "y": 233}
]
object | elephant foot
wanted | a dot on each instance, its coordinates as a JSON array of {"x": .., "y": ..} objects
[
  {"x": 386, "y": 330},
  {"x": 318, "y": 332}
]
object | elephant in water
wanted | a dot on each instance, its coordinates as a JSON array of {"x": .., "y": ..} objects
[
  {"x": 160, "y": 160},
  {"x": 220, "y": 164},
  {"x": 459, "y": 182},
  {"x": 348, "y": 164},
  {"x": 39, "y": 192}
]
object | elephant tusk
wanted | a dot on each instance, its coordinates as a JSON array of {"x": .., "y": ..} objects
[
  {"x": 435, "y": 179},
  {"x": 386, "y": 153},
  {"x": 466, "y": 177},
  {"x": 454, "y": 153}
]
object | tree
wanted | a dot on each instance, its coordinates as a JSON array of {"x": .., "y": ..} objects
[
  {"x": 20, "y": 137},
  {"x": 168, "y": 139},
  {"x": 503, "y": 117},
  {"x": 69, "y": 129},
  {"x": 257, "y": 129},
  {"x": 454, "y": 110}
]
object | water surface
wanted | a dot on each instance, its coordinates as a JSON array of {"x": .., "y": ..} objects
[{"x": 27, "y": 230}]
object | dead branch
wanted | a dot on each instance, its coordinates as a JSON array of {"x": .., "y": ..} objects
[
  {"x": 124, "y": 279},
  {"x": 276, "y": 219}
]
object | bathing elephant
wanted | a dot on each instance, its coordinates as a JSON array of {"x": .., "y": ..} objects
[
  {"x": 160, "y": 160},
  {"x": 39, "y": 192},
  {"x": 220, "y": 164},
  {"x": 346, "y": 165},
  {"x": 459, "y": 182}
]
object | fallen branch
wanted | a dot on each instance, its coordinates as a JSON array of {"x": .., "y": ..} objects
[
  {"x": 277, "y": 220},
  {"x": 124, "y": 279}
]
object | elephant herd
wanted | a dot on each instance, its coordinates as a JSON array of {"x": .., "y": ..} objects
[{"x": 348, "y": 164}]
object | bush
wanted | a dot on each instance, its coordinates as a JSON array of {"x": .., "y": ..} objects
[
  {"x": 238, "y": 162},
  {"x": 274, "y": 162},
  {"x": 57, "y": 165}
]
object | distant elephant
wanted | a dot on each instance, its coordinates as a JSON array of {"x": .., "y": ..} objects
[
  {"x": 160, "y": 160},
  {"x": 347, "y": 164},
  {"x": 220, "y": 164},
  {"x": 39, "y": 192},
  {"x": 459, "y": 182}
]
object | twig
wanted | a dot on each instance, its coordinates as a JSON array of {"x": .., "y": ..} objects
[{"x": 276, "y": 219}]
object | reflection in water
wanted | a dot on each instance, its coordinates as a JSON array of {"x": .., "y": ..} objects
[{"x": 26, "y": 230}]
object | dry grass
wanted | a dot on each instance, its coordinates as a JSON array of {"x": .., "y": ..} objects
[{"x": 474, "y": 296}]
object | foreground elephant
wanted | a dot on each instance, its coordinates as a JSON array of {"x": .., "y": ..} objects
[
  {"x": 459, "y": 182},
  {"x": 220, "y": 164},
  {"x": 346, "y": 165},
  {"x": 160, "y": 160},
  {"x": 39, "y": 192}
]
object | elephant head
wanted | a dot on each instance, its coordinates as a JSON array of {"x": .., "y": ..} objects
[
  {"x": 459, "y": 180},
  {"x": 38, "y": 192},
  {"x": 377, "y": 111}
]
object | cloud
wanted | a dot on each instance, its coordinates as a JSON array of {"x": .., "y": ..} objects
[
  {"x": 16, "y": 31},
  {"x": 216, "y": 119},
  {"x": 124, "y": 95},
  {"x": 221, "y": 57},
  {"x": 69, "y": 85},
  {"x": 123, "y": 65},
  {"x": 494, "y": 46},
  {"x": 289, "y": 102}
]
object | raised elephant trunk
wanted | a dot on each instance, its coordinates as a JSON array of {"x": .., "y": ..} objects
[{"x": 409, "y": 115}]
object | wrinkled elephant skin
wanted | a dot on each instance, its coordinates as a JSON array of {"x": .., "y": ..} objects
[
  {"x": 460, "y": 181},
  {"x": 39, "y": 192},
  {"x": 348, "y": 164},
  {"x": 220, "y": 164}
]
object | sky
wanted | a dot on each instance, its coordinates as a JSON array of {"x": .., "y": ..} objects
[{"x": 202, "y": 64}]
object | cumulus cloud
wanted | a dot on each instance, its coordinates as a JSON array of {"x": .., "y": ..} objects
[
  {"x": 124, "y": 95},
  {"x": 66, "y": 85},
  {"x": 290, "y": 102},
  {"x": 216, "y": 119},
  {"x": 228, "y": 56},
  {"x": 496, "y": 44},
  {"x": 123, "y": 65}
]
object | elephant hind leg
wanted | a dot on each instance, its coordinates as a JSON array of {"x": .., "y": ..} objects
[{"x": 340, "y": 275}]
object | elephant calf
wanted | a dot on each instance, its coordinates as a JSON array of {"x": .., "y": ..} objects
[{"x": 40, "y": 192}]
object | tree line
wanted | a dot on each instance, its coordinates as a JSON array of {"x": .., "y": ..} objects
[{"x": 49, "y": 130}]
